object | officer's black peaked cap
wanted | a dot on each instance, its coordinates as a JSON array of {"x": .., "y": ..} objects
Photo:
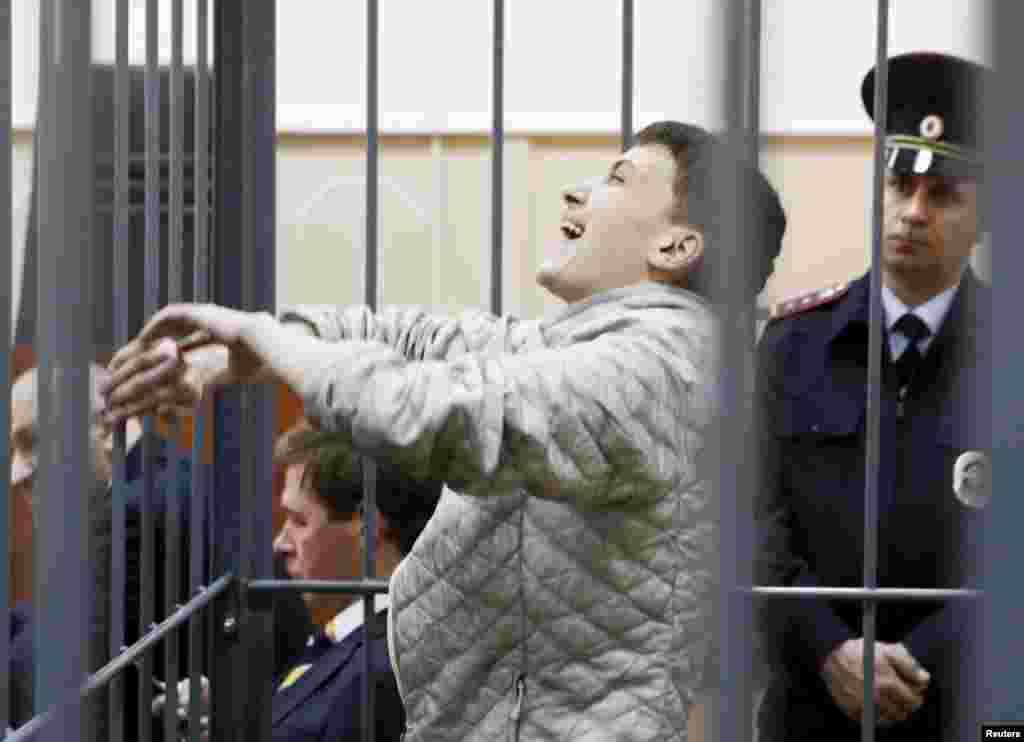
[{"x": 934, "y": 122}]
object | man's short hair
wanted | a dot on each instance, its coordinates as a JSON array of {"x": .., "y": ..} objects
[
  {"x": 334, "y": 471},
  {"x": 699, "y": 156}
]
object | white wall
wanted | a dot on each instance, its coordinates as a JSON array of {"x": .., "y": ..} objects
[{"x": 562, "y": 60}]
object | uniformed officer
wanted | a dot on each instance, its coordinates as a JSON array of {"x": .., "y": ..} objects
[{"x": 932, "y": 486}]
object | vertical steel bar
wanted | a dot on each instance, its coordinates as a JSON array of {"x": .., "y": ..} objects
[
  {"x": 65, "y": 350},
  {"x": 628, "y": 26},
  {"x": 732, "y": 275},
  {"x": 370, "y": 278},
  {"x": 228, "y": 661},
  {"x": 999, "y": 680},
  {"x": 175, "y": 276},
  {"x": 497, "y": 154},
  {"x": 5, "y": 351},
  {"x": 873, "y": 431},
  {"x": 201, "y": 292},
  {"x": 372, "y": 294},
  {"x": 151, "y": 208},
  {"x": 122, "y": 282},
  {"x": 258, "y": 267}
]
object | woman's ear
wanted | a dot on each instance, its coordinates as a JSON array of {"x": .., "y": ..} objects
[{"x": 676, "y": 254}]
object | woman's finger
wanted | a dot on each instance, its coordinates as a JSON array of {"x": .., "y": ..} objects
[
  {"x": 174, "y": 320},
  {"x": 150, "y": 367},
  {"x": 124, "y": 354}
]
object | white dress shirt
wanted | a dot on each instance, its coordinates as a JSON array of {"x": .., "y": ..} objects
[
  {"x": 351, "y": 618},
  {"x": 932, "y": 313}
]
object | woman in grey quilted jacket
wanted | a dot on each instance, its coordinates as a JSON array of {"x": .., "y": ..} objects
[{"x": 562, "y": 589}]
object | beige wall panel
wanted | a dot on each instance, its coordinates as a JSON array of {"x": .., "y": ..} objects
[
  {"x": 464, "y": 240},
  {"x": 436, "y": 215},
  {"x": 320, "y": 197},
  {"x": 825, "y": 185},
  {"x": 407, "y": 217}
]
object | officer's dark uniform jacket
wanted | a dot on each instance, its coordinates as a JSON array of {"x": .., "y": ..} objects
[{"x": 813, "y": 378}]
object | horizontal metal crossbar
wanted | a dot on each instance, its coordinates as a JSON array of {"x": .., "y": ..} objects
[
  {"x": 126, "y": 658},
  {"x": 358, "y": 587},
  {"x": 866, "y": 593}
]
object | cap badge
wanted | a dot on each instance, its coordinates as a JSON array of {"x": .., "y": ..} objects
[
  {"x": 932, "y": 126},
  {"x": 972, "y": 479}
]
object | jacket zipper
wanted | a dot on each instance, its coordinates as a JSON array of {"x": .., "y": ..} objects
[
  {"x": 517, "y": 708},
  {"x": 516, "y": 712}
]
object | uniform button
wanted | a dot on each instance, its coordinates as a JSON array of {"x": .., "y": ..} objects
[{"x": 815, "y": 428}]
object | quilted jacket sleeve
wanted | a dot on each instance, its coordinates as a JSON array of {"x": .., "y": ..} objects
[
  {"x": 413, "y": 333},
  {"x": 592, "y": 420}
]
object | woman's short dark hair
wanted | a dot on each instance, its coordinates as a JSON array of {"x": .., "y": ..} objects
[
  {"x": 699, "y": 155},
  {"x": 334, "y": 471}
]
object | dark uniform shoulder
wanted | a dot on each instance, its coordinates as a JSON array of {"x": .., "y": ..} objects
[
  {"x": 785, "y": 324},
  {"x": 806, "y": 302}
]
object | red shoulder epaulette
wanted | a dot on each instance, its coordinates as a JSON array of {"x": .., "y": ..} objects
[{"x": 803, "y": 302}]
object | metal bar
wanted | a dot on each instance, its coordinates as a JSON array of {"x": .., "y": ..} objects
[
  {"x": 357, "y": 587},
  {"x": 872, "y": 443},
  {"x": 122, "y": 284},
  {"x": 731, "y": 276},
  {"x": 128, "y": 656},
  {"x": 151, "y": 300},
  {"x": 372, "y": 294},
  {"x": 228, "y": 661},
  {"x": 175, "y": 271},
  {"x": 5, "y": 353},
  {"x": 63, "y": 569},
  {"x": 198, "y": 543},
  {"x": 372, "y": 152},
  {"x": 628, "y": 27},
  {"x": 497, "y": 155},
  {"x": 196, "y": 575},
  {"x": 258, "y": 270},
  {"x": 201, "y": 283},
  {"x": 865, "y": 593},
  {"x": 997, "y": 687}
]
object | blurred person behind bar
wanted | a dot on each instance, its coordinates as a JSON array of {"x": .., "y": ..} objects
[
  {"x": 173, "y": 483},
  {"x": 813, "y": 359},
  {"x": 318, "y": 696},
  {"x": 563, "y": 588},
  {"x": 171, "y": 489}
]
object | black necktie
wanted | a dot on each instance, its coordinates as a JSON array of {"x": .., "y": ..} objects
[{"x": 905, "y": 367}]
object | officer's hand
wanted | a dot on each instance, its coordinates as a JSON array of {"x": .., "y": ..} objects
[{"x": 900, "y": 683}]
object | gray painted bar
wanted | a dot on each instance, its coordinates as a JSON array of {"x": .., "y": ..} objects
[
  {"x": 371, "y": 287},
  {"x": 153, "y": 278},
  {"x": 201, "y": 292},
  {"x": 258, "y": 294},
  {"x": 121, "y": 284},
  {"x": 64, "y": 575},
  {"x": 497, "y": 155},
  {"x": 998, "y": 686},
  {"x": 872, "y": 439},
  {"x": 175, "y": 275},
  {"x": 5, "y": 351},
  {"x": 628, "y": 26},
  {"x": 735, "y": 473}
]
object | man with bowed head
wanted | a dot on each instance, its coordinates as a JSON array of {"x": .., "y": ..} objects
[{"x": 562, "y": 588}]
